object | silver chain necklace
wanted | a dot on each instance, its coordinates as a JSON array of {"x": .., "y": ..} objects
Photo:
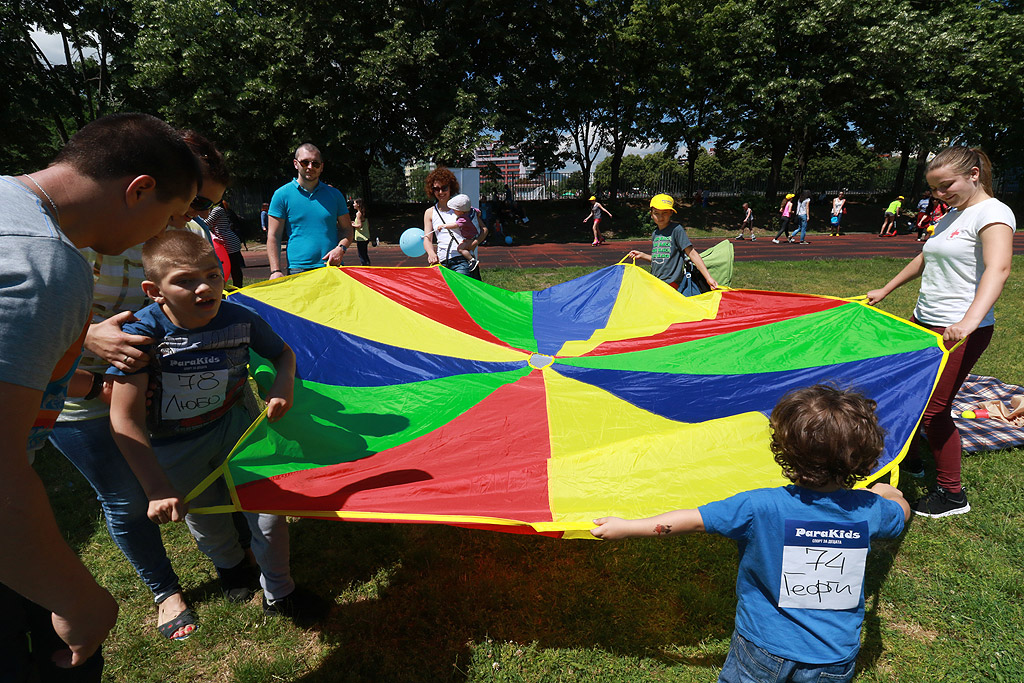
[{"x": 56, "y": 211}]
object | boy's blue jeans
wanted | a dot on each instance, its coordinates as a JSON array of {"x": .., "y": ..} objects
[
  {"x": 748, "y": 663},
  {"x": 90, "y": 447}
]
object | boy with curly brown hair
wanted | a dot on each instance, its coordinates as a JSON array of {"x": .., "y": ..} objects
[{"x": 802, "y": 547}]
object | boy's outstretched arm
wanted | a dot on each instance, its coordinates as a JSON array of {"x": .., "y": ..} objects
[
  {"x": 279, "y": 398},
  {"x": 128, "y": 424},
  {"x": 894, "y": 494},
  {"x": 665, "y": 524}
]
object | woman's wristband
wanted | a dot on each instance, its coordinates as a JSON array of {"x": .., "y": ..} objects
[
  {"x": 96, "y": 388},
  {"x": 277, "y": 271}
]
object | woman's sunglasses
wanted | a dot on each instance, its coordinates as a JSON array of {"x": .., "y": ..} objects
[{"x": 201, "y": 203}]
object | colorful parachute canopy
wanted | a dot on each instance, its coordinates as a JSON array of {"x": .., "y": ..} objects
[{"x": 426, "y": 396}]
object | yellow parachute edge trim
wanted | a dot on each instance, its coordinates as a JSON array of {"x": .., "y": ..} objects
[{"x": 410, "y": 517}]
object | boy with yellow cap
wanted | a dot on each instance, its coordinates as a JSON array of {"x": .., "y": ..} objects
[{"x": 671, "y": 247}]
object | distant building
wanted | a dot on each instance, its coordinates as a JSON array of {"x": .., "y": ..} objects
[{"x": 508, "y": 162}]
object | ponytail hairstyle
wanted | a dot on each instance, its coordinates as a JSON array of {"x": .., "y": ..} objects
[{"x": 961, "y": 160}]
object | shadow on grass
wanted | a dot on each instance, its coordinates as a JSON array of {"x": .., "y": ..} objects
[
  {"x": 444, "y": 589},
  {"x": 880, "y": 562}
]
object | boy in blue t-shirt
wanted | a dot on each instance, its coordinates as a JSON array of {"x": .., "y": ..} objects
[
  {"x": 803, "y": 547},
  {"x": 200, "y": 367}
]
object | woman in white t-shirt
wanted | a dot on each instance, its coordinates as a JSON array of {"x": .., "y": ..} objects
[
  {"x": 963, "y": 269},
  {"x": 803, "y": 215}
]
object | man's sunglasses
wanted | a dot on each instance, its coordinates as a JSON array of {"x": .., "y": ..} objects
[
  {"x": 308, "y": 162},
  {"x": 201, "y": 203}
]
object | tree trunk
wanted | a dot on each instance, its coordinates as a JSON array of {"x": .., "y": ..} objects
[
  {"x": 617, "y": 151},
  {"x": 779, "y": 145},
  {"x": 901, "y": 175},
  {"x": 691, "y": 165},
  {"x": 364, "y": 179},
  {"x": 918, "y": 188},
  {"x": 801, "y": 162}
]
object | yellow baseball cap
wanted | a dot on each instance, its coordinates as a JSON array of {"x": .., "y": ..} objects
[
  {"x": 593, "y": 199},
  {"x": 900, "y": 197},
  {"x": 663, "y": 201},
  {"x": 790, "y": 195}
]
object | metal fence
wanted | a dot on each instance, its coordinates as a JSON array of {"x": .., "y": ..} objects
[
  {"x": 561, "y": 185},
  {"x": 553, "y": 185}
]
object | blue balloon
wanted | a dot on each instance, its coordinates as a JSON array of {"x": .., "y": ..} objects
[
  {"x": 411, "y": 242},
  {"x": 508, "y": 239}
]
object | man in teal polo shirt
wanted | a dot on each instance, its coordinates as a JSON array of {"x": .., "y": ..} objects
[{"x": 315, "y": 214}]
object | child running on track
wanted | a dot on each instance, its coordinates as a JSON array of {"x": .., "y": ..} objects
[
  {"x": 595, "y": 213},
  {"x": 748, "y": 223}
]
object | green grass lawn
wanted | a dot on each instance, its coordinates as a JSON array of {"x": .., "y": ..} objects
[{"x": 436, "y": 603}]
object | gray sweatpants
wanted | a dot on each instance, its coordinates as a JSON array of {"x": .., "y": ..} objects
[{"x": 187, "y": 462}]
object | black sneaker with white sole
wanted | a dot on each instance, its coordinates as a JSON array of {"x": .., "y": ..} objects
[{"x": 941, "y": 503}]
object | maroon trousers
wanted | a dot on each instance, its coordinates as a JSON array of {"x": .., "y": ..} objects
[{"x": 939, "y": 427}]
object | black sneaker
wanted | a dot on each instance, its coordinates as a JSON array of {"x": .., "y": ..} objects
[
  {"x": 239, "y": 583},
  {"x": 941, "y": 503},
  {"x": 300, "y": 605}
]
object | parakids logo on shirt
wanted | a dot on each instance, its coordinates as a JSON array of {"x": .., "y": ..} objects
[
  {"x": 801, "y": 532},
  {"x": 193, "y": 361},
  {"x": 827, "y": 534}
]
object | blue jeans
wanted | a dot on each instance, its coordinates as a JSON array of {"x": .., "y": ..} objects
[
  {"x": 90, "y": 447},
  {"x": 457, "y": 263},
  {"x": 460, "y": 265},
  {"x": 801, "y": 227},
  {"x": 748, "y": 663}
]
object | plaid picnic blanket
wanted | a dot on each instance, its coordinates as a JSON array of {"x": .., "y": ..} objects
[{"x": 986, "y": 435}]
